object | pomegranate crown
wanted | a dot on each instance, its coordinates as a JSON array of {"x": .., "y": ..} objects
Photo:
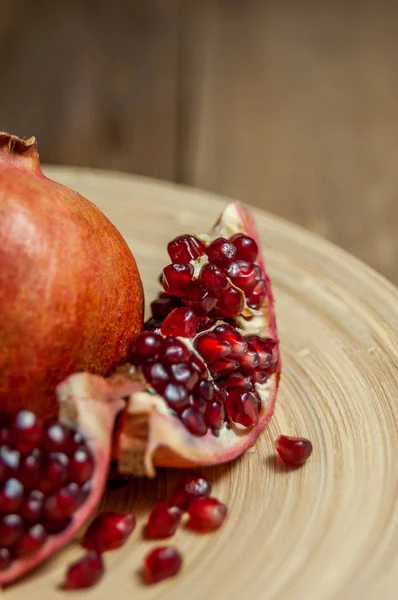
[{"x": 19, "y": 153}]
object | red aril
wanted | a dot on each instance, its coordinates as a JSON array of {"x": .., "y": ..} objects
[
  {"x": 189, "y": 487},
  {"x": 294, "y": 451},
  {"x": 163, "y": 521},
  {"x": 176, "y": 279},
  {"x": 206, "y": 514},
  {"x": 246, "y": 247},
  {"x": 71, "y": 297},
  {"x": 85, "y": 572},
  {"x": 109, "y": 531},
  {"x": 185, "y": 248},
  {"x": 181, "y": 322},
  {"x": 161, "y": 563}
]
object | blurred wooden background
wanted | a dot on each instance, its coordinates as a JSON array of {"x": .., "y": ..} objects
[{"x": 288, "y": 105}]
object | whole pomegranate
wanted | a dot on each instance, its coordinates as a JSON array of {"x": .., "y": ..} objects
[{"x": 71, "y": 297}]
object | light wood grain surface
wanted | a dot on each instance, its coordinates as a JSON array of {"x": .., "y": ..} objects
[
  {"x": 290, "y": 106},
  {"x": 327, "y": 531}
]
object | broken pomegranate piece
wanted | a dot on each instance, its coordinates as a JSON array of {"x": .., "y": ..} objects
[
  {"x": 52, "y": 474},
  {"x": 294, "y": 451},
  {"x": 208, "y": 361},
  {"x": 161, "y": 563},
  {"x": 109, "y": 531}
]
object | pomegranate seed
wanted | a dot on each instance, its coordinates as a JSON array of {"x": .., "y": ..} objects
[
  {"x": 185, "y": 248},
  {"x": 5, "y": 558},
  {"x": 206, "y": 514},
  {"x": 29, "y": 469},
  {"x": 147, "y": 345},
  {"x": 257, "y": 295},
  {"x": 244, "y": 275},
  {"x": 222, "y": 367},
  {"x": 246, "y": 247},
  {"x": 198, "y": 365},
  {"x": 215, "y": 415},
  {"x": 30, "y": 542},
  {"x": 293, "y": 451},
  {"x": 194, "y": 421},
  {"x": 174, "y": 351},
  {"x": 220, "y": 393},
  {"x": 199, "y": 299},
  {"x": 233, "y": 337},
  {"x": 85, "y": 572},
  {"x": 81, "y": 466},
  {"x": 211, "y": 347},
  {"x": 263, "y": 349},
  {"x": 231, "y": 302},
  {"x": 63, "y": 504},
  {"x": 176, "y": 396},
  {"x": 204, "y": 389},
  {"x": 176, "y": 279},
  {"x": 188, "y": 487},
  {"x": 221, "y": 252},
  {"x": 163, "y": 521},
  {"x": 26, "y": 431},
  {"x": 250, "y": 360},
  {"x": 109, "y": 531},
  {"x": 5, "y": 436},
  {"x": 161, "y": 563},
  {"x": 198, "y": 403},
  {"x": 185, "y": 375},
  {"x": 11, "y": 493},
  {"x": 32, "y": 506},
  {"x": 156, "y": 375},
  {"x": 181, "y": 322},
  {"x": 11, "y": 529},
  {"x": 57, "y": 437},
  {"x": 163, "y": 305},
  {"x": 213, "y": 279},
  {"x": 238, "y": 380},
  {"x": 54, "y": 472},
  {"x": 9, "y": 461},
  {"x": 259, "y": 376},
  {"x": 242, "y": 407}
]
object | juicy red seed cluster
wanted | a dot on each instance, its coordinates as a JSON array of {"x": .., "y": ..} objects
[
  {"x": 230, "y": 260},
  {"x": 45, "y": 472}
]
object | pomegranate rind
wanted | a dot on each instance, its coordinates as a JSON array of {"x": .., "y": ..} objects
[
  {"x": 89, "y": 403},
  {"x": 149, "y": 435}
]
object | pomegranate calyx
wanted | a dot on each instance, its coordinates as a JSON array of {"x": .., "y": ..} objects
[{"x": 19, "y": 152}]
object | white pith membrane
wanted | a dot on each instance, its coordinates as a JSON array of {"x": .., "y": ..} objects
[{"x": 151, "y": 434}]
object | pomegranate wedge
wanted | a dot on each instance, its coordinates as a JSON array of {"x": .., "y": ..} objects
[{"x": 208, "y": 363}]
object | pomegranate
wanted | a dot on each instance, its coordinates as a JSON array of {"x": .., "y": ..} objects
[
  {"x": 208, "y": 364},
  {"x": 53, "y": 473},
  {"x": 71, "y": 297}
]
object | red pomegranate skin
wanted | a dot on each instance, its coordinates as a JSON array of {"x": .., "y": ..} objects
[{"x": 71, "y": 297}]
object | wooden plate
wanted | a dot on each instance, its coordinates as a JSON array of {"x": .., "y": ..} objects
[{"x": 328, "y": 530}]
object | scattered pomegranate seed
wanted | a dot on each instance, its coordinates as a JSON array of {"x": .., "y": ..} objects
[
  {"x": 246, "y": 247},
  {"x": 85, "y": 572},
  {"x": 242, "y": 407},
  {"x": 108, "y": 531},
  {"x": 188, "y": 487},
  {"x": 213, "y": 279},
  {"x": 294, "y": 451},
  {"x": 206, "y": 514},
  {"x": 177, "y": 278},
  {"x": 181, "y": 322},
  {"x": 26, "y": 431},
  {"x": 163, "y": 521},
  {"x": 221, "y": 252},
  {"x": 211, "y": 347},
  {"x": 185, "y": 248},
  {"x": 194, "y": 421},
  {"x": 161, "y": 563},
  {"x": 30, "y": 542},
  {"x": 5, "y": 558},
  {"x": 231, "y": 302}
]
